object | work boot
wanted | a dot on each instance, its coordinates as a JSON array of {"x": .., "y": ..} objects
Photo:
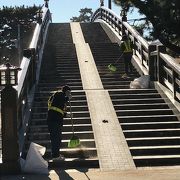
[{"x": 59, "y": 158}]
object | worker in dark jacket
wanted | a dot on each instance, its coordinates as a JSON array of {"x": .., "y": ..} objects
[
  {"x": 57, "y": 106},
  {"x": 127, "y": 49}
]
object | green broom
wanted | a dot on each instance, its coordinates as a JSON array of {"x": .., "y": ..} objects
[
  {"x": 74, "y": 141},
  {"x": 112, "y": 67}
]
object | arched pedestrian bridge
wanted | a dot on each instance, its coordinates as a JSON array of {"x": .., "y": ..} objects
[{"x": 119, "y": 128}]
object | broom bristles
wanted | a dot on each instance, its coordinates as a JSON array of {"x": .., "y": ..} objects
[
  {"x": 112, "y": 68},
  {"x": 74, "y": 142}
]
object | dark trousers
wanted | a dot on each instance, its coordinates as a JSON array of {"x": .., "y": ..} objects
[
  {"x": 55, "y": 130},
  {"x": 127, "y": 62}
]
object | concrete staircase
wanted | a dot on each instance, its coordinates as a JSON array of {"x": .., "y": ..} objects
[
  {"x": 60, "y": 67},
  {"x": 150, "y": 127}
]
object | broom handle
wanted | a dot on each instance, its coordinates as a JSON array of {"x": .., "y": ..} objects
[
  {"x": 71, "y": 116},
  {"x": 119, "y": 58}
]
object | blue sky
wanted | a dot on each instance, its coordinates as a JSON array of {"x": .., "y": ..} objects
[{"x": 63, "y": 10}]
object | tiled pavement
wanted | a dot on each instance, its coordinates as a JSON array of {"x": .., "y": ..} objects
[{"x": 112, "y": 149}]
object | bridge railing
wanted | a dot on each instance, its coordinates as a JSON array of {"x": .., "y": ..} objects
[
  {"x": 147, "y": 57},
  {"x": 29, "y": 75},
  {"x": 168, "y": 72}
]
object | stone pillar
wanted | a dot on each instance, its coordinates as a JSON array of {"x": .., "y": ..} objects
[{"x": 10, "y": 144}]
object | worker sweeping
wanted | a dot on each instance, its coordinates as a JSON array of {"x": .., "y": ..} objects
[
  {"x": 127, "y": 48},
  {"x": 57, "y": 106}
]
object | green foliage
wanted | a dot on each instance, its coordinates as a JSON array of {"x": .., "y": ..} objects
[
  {"x": 10, "y": 17},
  {"x": 85, "y": 15},
  {"x": 164, "y": 15}
]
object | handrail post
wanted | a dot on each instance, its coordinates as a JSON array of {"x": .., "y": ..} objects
[
  {"x": 174, "y": 85},
  {"x": 160, "y": 48},
  {"x": 152, "y": 62}
]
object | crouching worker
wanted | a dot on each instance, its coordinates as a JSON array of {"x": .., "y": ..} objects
[{"x": 57, "y": 106}]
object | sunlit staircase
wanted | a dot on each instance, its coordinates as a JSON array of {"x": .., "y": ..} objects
[
  {"x": 60, "y": 67},
  {"x": 150, "y": 127}
]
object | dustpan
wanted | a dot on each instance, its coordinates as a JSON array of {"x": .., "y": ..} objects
[
  {"x": 74, "y": 141},
  {"x": 112, "y": 68}
]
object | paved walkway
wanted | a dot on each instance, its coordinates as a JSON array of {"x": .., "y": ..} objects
[
  {"x": 112, "y": 148},
  {"x": 91, "y": 174}
]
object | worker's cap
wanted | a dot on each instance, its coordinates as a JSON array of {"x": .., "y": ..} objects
[{"x": 66, "y": 88}]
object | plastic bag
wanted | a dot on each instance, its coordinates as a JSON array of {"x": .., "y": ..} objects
[
  {"x": 142, "y": 82},
  {"x": 34, "y": 162}
]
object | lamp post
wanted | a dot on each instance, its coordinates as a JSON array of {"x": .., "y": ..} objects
[
  {"x": 39, "y": 16},
  {"x": 46, "y": 3},
  {"x": 10, "y": 146},
  {"x": 124, "y": 14},
  {"x": 101, "y": 2},
  {"x": 109, "y": 4}
]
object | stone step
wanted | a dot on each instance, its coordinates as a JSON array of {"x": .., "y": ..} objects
[
  {"x": 65, "y": 135},
  {"x": 136, "y": 96},
  {"x": 66, "y": 128},
  {"x": 81, "y": 152},
  {"x": 66, "y": 121},
  {"x": 54, "y": 84},
  {"x": 64, "y": 143},
  {"x": 152, "y": 133},
  {"x": 153, "y": 141},
  {"x": 74, "y": 163},
  {"x": 161, "y": 160},
  {"x": 75, "y": 93},
  {"x": 99, "y": 34},
  {"x": 141, "y": 106},
  {"x": 150, "y": 125},
  {"x": 155, "y": 150},
  {"x": 41, "y": 109},
  {"x": 73, "y": 103},
  {"x": 56, "y": 76},
  {"x": 144, "y": 111},
  {"x": 58, "y": 80},
  {"x": 45, "y": 96},
  {"x": 145, "y": 118},
  {"x": 116, "y": 83},
  {"x": 139, "y": 101},
  {"x": 132, "y": 91},
  {"x": 76, "y": 87},
  {"x": 122, "y": 86},
  {"x": 75, "y": 114}
]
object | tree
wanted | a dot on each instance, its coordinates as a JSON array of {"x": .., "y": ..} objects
[
  {"x": 10, "y": 17},
  {"x": 85, "y": 15},
  {"x": 164, "y": 15}
]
